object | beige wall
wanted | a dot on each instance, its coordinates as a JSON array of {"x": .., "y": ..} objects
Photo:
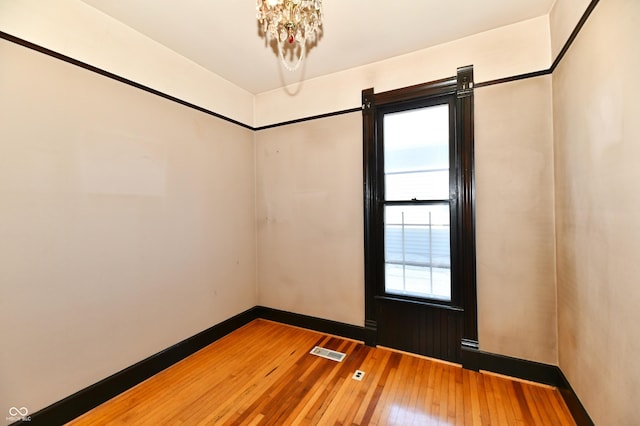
[
  {"x": 597, "y": 146},
  {"x": 143, "y": 234},
  {"x": 309, "y": 209},
  {"x": 563, "y": 18},
  {"x": 126, "y": 226},
  {"x": 75, "y": 29},
  {"x": 503, "y": 52},
  {"x": 515, "y": 240},
  {"x": 285, "y": 221},
  {"x": 123, "y": 215},
  {"x": 310, "y": 218}
]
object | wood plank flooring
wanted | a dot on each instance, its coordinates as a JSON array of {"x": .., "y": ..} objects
[{"x": 263, "y": 374}]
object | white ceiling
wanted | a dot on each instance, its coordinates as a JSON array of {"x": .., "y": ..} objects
[{"x": 223, "y": 35}]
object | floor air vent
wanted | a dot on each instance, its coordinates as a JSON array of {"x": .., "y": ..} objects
[{"x": 328, "y": 354}]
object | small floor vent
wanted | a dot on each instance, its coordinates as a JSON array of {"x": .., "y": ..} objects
[{"x": 328, "y": 354}]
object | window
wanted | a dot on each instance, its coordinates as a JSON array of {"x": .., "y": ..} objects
[
  {"x": 417, "y": 245},
  {"x": 419, "y": 201}
]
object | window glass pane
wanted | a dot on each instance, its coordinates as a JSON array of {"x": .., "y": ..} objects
[
  {"x": 416, "y": 154},
  {"x": 417, "y": 251}
]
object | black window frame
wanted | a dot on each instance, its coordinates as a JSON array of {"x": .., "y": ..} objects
[
  {"x": 458, "y": 92},
  {"x": 382, "y": 202}
]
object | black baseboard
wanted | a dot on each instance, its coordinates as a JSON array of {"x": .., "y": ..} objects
[
  {"x": 90, "y": 397},
  {"x": 477, "y": 360},
  {"x": 578, "y": 411},
  {"x": 312, "y": 323},
  {"x": 474, "y": 359}
]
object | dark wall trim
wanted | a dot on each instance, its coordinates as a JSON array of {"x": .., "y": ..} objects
[
  {"x": 578, "y": 411},
  {"x": 313, "y": 117},
  {"x": 574, "y": 34},
  {"x": 312, "y": 323},
  {"x": 477, "y": 360},
  {"x": 115, "y": 77},
  {"x": 90, "y": 397},
  {"x": 513, "y": 78},
  {"x": 556, "y": 62},
  {"x": 474, "y": 359}
]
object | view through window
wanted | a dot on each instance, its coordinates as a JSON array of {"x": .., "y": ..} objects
[{"x": 417, "y": 245}]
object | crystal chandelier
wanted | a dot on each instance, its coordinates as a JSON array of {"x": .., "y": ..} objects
[{"x": 290, "y": 22}]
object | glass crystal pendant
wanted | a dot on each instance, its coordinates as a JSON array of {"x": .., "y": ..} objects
[{"x": 292, "y": 24}]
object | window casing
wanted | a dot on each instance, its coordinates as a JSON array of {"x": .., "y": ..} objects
[{"x": 382, "y": 203}]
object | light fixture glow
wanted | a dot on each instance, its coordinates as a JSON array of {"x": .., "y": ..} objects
[{"x": 296, "y": 22}]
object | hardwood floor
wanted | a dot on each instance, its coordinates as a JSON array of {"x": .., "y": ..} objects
[{"x": 263, "y": 374}]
